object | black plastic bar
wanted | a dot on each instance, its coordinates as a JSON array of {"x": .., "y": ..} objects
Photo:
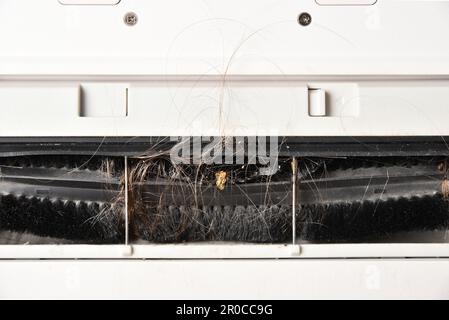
[{"x": 288, "y": 146}]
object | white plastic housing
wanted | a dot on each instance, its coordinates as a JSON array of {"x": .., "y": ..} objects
[{"x": 223, "y": 68}]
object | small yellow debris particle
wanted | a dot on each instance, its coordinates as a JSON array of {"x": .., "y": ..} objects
[
  {"x": 221, "y": 180},
  {"x": 445, "y": 189}
]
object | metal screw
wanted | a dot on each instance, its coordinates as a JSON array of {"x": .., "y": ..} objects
[
  {"x": 305, "y": 19},
  {"x": 130, "y": 18}
]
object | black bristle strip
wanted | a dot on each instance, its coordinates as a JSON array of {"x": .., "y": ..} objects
[
  {"x": 370, "y": 221},
  {"x": 261, "y": 224},
  {"x": 336, "y": 222},
  {"x": 373, "y": 162},
  {"x": 59, "y": 219},
  {"x": 62, "y": 161}
]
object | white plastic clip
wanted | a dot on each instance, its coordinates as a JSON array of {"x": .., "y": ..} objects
[
  {"x": 127, "y": 251},
  {"x": 295, "y": 250}
]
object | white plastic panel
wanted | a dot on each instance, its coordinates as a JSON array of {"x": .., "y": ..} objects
[
  {"x": 232, "y": 279},
  {"x": 199, "y": 37},
  {"x": 232, "y": 108}
]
